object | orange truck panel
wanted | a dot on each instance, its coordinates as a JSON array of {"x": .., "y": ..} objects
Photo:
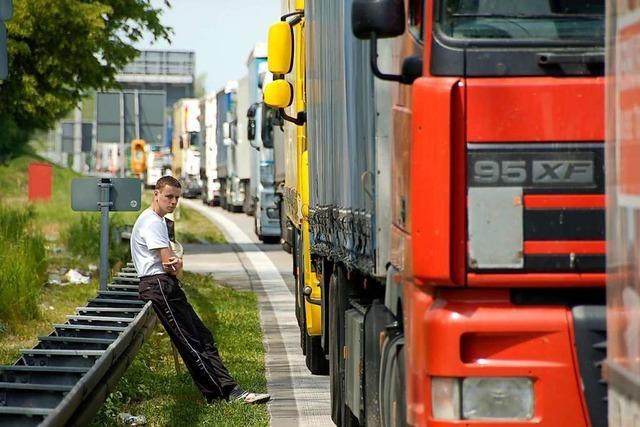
[
  {"x": 527, "y": 108},
  {"x": 480, "y": 333},
  {"x": 438, "y": 181}
]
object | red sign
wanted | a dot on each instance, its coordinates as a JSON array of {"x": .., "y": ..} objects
[{"x": 40, "y": 181}]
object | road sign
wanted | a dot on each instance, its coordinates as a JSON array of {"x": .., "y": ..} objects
[
  {"x": 87, "y": 137},
  {"x": 125, "y": 116},
  {"x": 67, "y": 137},
  {"x": 104, "y": 195},
  {"x": 124, "y": 194}
]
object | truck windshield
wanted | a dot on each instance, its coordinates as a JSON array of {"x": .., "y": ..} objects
[{"x": 557, "y": 20}]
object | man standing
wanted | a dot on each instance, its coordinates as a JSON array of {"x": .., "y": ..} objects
[{"x": 157, "y": 265}]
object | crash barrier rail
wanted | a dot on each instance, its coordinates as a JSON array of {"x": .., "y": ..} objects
[{"x": 66, "y": 377}]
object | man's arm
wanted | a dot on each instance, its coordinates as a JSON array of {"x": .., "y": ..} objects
[{"x": 170, "y": 262}]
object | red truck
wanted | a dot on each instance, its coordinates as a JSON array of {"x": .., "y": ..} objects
[{"x": 498, "y": 236}]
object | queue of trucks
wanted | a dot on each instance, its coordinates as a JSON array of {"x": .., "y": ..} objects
[{"x": 445, "y": 195}]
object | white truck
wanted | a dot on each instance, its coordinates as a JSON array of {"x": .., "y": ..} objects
[
  {"x": 242, "y": 150},
  {"x": 208, "y": 163},
  {"x": 260, "y": 132},
  {"x": 155, "y": 163},
  {"x": 187, "y": 145}
]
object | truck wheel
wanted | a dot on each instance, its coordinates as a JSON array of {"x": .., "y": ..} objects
[
  {"x": 256, "y": 230},
  {"x": 338, "y": 305},
  {"x": 392, "y": 381},
  {"x": 316, "y": 361}
]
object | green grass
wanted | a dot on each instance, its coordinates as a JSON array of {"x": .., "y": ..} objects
[
  {"x": 22, "y": 266},
  {"x": 151, "y": 386},
  {"x": 193, "y": 227},
  {"x": 55, "y": 303}
]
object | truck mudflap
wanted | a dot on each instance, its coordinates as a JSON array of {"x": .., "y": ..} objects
[{"x": 590, "y": 331}]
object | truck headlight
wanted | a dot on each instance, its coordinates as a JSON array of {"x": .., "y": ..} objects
[{"x": 482, "y": 398}]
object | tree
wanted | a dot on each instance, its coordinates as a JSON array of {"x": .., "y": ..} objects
[
  {"x": 200, "y": 89},
  {"x": 61, "y": 49}
]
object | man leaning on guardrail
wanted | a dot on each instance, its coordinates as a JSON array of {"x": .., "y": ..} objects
[{"x": 158, "y": 267}]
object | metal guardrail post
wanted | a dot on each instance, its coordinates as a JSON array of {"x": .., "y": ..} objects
[{"x": 104, "y": 204}]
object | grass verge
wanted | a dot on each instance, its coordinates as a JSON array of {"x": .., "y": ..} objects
[
  {"x": 193, "y": 227},
  {"x": 151, "y": 386},
  {"x": 22, "y": 266}
]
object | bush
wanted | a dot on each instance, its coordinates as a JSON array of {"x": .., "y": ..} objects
[
  {"x": 82, "y": 239},
  {"x": 22, "y": 265}
]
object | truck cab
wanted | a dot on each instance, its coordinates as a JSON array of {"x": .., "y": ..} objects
[{"x": 497, "y": 243}]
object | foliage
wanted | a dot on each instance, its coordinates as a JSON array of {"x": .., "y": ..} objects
[
  {"x": 22, "y": 265},
  {"x": 62, "y": 49},
  {"x": 193, "y": 227},
  {"x": 82, "y": 238}
]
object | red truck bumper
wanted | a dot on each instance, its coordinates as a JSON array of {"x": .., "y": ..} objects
[{"x": 480, "y": 333}]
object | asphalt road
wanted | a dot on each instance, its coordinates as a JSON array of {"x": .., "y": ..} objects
[{"x": 298, "y": 398}]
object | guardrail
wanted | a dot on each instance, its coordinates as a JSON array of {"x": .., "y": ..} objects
[{"x": 66, "y": 377}]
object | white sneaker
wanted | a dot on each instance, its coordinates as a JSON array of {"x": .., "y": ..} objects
[{"x": 239, "y": 395}]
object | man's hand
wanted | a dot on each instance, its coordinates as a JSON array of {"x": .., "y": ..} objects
[{"x": 173, "y": 266}]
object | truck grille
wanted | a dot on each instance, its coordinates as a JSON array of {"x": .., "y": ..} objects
[{"x": 536, "y": 207}]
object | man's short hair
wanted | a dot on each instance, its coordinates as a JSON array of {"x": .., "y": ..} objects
[{"x": 167, "y": 180}]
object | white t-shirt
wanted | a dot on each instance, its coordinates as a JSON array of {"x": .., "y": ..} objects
[{"x": 149, "y": 234}]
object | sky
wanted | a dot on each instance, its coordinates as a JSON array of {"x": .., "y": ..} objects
[{"x": 221, "y": 32}]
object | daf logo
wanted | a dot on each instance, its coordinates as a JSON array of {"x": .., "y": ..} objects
[
  {"x": 531, "y": 169},
  {"x": 562, "y": 171}
]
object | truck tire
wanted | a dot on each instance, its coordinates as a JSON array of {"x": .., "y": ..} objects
[
  {"x": 338, "y": 305},
  {"x": 315, "y": 358},
  {"x": 335, "y": 347},
  {"x": 256, "y": 229},
  {"x": 392, "y": 381}
]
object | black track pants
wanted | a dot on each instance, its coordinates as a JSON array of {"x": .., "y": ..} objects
[{"x": 189, "y": 335}]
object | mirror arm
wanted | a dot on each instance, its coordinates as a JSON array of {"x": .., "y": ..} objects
[
  {"x": 300, "y": 120},
  {"x": 298, "y": 16},
  {"x": 251, "y": 141},
  {"x": 373, "y": 45}
]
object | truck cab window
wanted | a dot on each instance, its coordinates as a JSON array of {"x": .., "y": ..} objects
[{"x": 566, "y": 20}]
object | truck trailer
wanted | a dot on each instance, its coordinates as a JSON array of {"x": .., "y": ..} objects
[
  {"x": 231, "y": 196},
  {"x": 187, "y": 146},
  {"x": 479, "y": 299},
  {"x": 208, "y": 156}
]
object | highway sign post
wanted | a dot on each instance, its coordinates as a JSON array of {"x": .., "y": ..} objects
[{"x": 105, "y": 195}]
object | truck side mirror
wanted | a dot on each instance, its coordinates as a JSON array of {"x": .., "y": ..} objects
[
  {"x": 251, "y": 130},
  {"x": 6, "y": 13},
  {"x": 278, "y": 94},
  {"x": 267, "y": 122},
  {"x": 377, "y": 19},
  {"x": 280, "y": 45}
]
